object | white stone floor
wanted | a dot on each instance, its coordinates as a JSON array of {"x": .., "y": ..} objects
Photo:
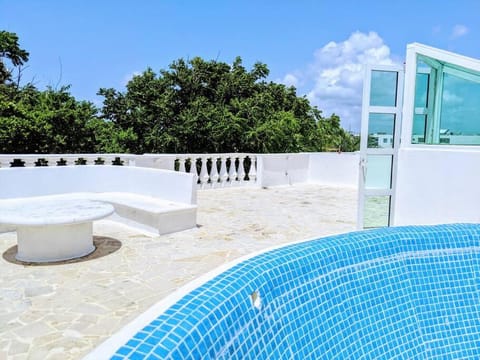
[{"x": 64, "y": 311}]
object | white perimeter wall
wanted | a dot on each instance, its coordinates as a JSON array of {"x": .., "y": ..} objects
[
  {"x": 437, "y": 186},
  {"x": 282, "y": 169},
  {"x": 334, "y": 169}
]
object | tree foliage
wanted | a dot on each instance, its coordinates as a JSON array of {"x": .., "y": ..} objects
[
  {"x": 10, "y": 52},
  {"x": 50, "y": 121},
  {"x": 200, "y": 106},
  {"x": 193, "y": 106}
]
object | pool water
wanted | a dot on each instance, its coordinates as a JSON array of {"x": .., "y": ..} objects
[{"x": 392, "y": 293}]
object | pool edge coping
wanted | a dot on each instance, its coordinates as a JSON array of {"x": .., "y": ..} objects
[{"x": 108, "y": 348}]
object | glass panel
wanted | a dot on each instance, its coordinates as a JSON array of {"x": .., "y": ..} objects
[
  {"x": 380, "y": 130},
  {"x": 459, "y": 119},
  {"x": 421, "y": 103},
  {"x": 376, "y": 211},
  {"x": 379, "y": 172},
  {"x": 421, "y": 87},
  {"x": 419, "y": 129},
  {"x": 446, "y": 104},
  {"x": 383, "y": 90}
]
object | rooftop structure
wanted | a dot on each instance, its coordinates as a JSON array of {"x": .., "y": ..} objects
[
  {"x": 65, "y": 310},
  {"x": 428, "y": 173}
]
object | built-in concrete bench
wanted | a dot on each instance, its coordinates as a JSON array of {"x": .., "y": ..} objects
[{"x": 155, "y": 200}]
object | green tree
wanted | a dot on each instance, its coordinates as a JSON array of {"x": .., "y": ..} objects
[
  {"x": 193, "y": 106},
  {"x": 200, "y": 106},
  {"x": 10, "y": 52},
  {"x": 50, "y": 121}
]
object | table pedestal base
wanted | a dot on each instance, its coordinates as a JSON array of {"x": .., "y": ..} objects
[{"x": 54, "y": 242}]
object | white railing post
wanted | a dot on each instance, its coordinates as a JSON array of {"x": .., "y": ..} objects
[
  {"x": 252, "y": 173},
  {"x": 52, "y": 160},
  {"x": 108, "y": 159},
  {"x": 29, "y": 161},
  {"x": 204, "y": 177},
  {"x": 214, "y": 172},
  {"x": 89, "y": 160},
  {"x": 223, "y": 170},
  {"x": 193, "y": 168},
  {"x": 181, "y": 163},
  {"x": 69, "y": 160},
  {"x": 232, "y": 172},
  {"x": 5, "y": 161},
  {"x": 241, "y": 169}
]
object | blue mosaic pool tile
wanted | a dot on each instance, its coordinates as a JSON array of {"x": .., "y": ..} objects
[
  {"x": 406, "y": 293},
  {"x": 124, "y": 350},
  {"x": 153, "y": 357}
]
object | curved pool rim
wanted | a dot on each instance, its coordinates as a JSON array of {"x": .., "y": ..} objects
[
  {"x": 108, "y": 347},
  {"x": 450, "y": 239}
]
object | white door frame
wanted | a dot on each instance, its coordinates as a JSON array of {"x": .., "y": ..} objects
[{"x": 367, "y": 109}]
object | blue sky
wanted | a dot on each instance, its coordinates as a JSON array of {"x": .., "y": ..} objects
[{"x": 318, "y": 46}]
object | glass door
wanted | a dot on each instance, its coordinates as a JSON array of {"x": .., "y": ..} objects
[{"x": 380, "y": 139}]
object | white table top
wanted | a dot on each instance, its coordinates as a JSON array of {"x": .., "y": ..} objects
[{"x": 52, "y": 212}]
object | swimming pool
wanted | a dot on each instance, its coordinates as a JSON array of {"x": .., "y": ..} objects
[{"x": 407, "y": 293}]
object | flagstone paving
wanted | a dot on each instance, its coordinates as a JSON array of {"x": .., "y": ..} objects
[{"x": 63, "y": 311}]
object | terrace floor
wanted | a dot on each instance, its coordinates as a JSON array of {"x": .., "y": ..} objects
[{"x": 64, "y": 311}]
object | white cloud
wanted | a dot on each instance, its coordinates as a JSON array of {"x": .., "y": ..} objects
[
  {"x": 451, "y": 98},
  {"x": 290, "y": 80},
  {"x": 458, "y": 31},
  {"x": 129, "y": 77},
  {"x": 338, "y": 70}
]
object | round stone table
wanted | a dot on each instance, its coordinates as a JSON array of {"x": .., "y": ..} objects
[{"x": 53, "y": 230}]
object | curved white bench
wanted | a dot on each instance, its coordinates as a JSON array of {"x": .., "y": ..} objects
[
  {"x": 53, "y": 230},
  {"x": 159, "y": 201}
]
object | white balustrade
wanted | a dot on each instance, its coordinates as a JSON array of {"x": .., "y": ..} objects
[
  {"x": 214, "y": 176},
  {"x": 29, "y": 160}
]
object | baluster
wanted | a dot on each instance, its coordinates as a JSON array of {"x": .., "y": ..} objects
[
  {"x": 252, "y": 173},
  {"x": 193, "y": 168},
  {"x": 52, "y": 160},
  {"x": 89, "y": 160},
  {"x": 108, "y": 160},
  {"x": 223, "y": 170},
  {"x": 5, "y": 162},
  {"x": 232, "y": 172},
  {"x": 204, "y": 177},
  {"x": 70, "y": 160},
  {"x": 241, "y": 169},
  {"x": 181, "y": 161},
  {"x": 214, "y": 172},
  {"x": 29, "y": 161}
]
